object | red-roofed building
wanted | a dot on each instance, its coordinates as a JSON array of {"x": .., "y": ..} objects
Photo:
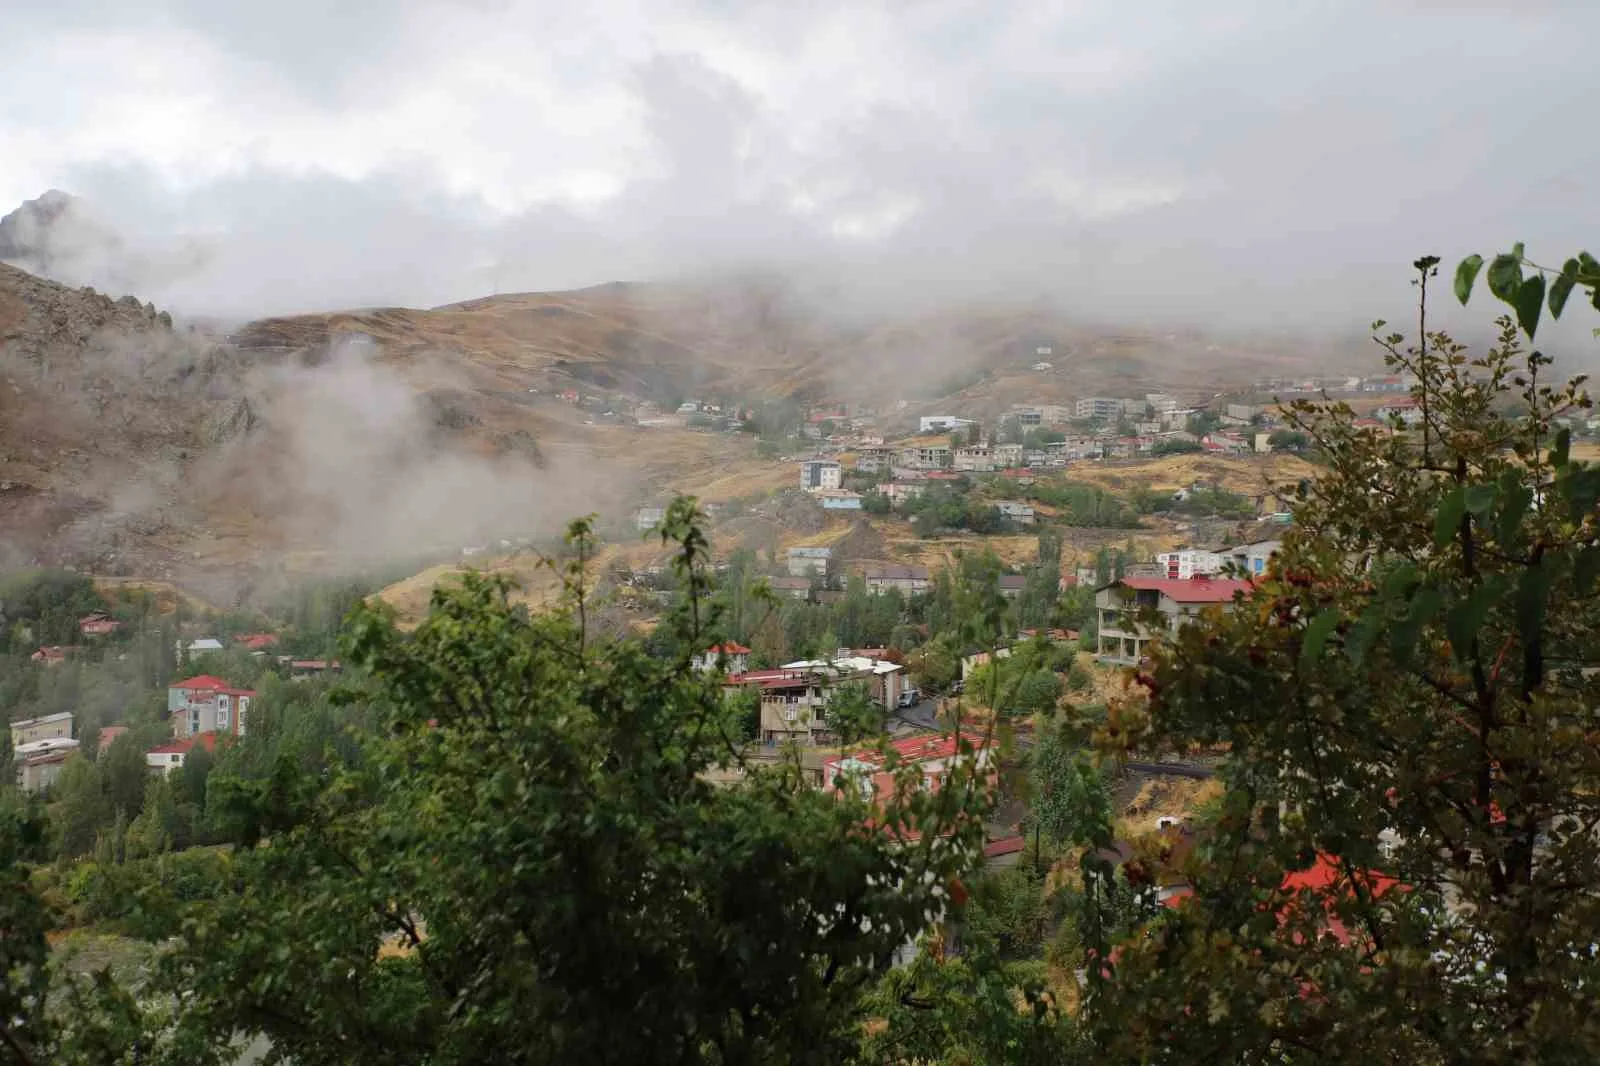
[
  {"x": 207, "y": 704},
  {"x": 1123, "y": 637},
  {"x": 170, "y": 757},
  {"x": 256, "y": 643},
  {"x": 53, "y": 654},
  {"x": 735, "y": 658},
  {"x": 98, "y": 624},
  {"x": 933, "y": 754}
]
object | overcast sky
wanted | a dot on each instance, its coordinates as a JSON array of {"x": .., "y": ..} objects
[{"x": 1234, "y": 162}]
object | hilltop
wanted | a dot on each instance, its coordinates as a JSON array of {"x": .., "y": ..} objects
[{"x": 133, "y": 446}]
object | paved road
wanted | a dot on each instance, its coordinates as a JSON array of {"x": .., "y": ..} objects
[{"x": 917, "y": 716}]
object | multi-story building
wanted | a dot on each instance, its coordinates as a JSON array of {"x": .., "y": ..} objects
[
  {"x": 207, "y": 704},
  {"x": 901, "y": 491},
  {"x": 735, "y": 658},
  {"x": 881, "y": 577},
  {"x": 1160, "y": 401},
  {"x": 48, "y": 727},
  {"x": 975, "y": 458},
  {"x": 925, "y": 456},
  {"x": 809, "y": 562},
  {"x": 1006, "y": 455},
  {"x": 1102, "y": 407},
  {"x": 1124, "y": 637},
  {"x": 1185, "y": 563},
  {"x": 873, "y": 460},
  {"x": 818, "y": 474},
  {"x": 795, "y": 697}
]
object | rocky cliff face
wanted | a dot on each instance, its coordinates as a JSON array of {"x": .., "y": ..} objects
[
  {"x": 102, "y": 403},
  {"x": 55, "y": 236}
]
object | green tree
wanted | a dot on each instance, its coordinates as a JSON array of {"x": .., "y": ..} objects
[
  {"x": 1288, "y": 440},
  {"x": 1406, "y": 710},
  {"x": 582, "y": 895}
]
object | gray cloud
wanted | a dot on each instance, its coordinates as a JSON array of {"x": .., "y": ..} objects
[{"x": 1238, "y": 163}]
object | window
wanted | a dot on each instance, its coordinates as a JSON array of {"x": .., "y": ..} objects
[
  {"x": 194, "y": 719},
  {"x": 223, "y": 709},
  {"x": 244, "y": 706}
]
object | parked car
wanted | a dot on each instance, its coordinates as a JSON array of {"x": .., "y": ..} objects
[{"x": 909, "y": 698}]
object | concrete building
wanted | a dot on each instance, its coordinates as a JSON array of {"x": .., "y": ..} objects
[
  {"x": 1102, "y": 407},
  {"x": 817, "y": 474},
  {"x": 794, "y": 698},
  {"x": 881, "y": 577},
  {"x": 1015, "y": 510},
  {"x": 806, "y": 562},
  {"x": 875, "y": 460},
  {"x": 1123, "y": 637},
  {"x": 925, "y": 456},
  {"x": 49, "y": 727},
  {"x": 1161, "y": 401},
  {"x": 734, "y": 658},
  {"x": 647, "y": 518},
  {"x": 839, "y": 500},
  {"x": 38, "y": 763},
  {"x": 901, "y": 491},
  {"x": 975, "y": 458},
  {"x": 207, "y": 704},
  {"x": 943, "y": 423},
  {"x": 1185, "y": 563}
]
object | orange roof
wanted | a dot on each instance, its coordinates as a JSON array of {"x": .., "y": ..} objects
[{"x": 730, "y": 648}]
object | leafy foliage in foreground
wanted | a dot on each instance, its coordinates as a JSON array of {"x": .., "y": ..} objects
[
  {"x": 535, "y": 834},
  {"x": 1410, "y": 705}
]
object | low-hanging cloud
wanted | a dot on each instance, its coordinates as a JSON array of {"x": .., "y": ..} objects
[{"x": 1233, "y": 164}]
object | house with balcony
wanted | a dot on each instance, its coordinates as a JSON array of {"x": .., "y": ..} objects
[
  {"x": 794, "y": 697},
  {"x": 38, "y": 763},
  {"x": 1124, "y": 635},
  {"x": 207, "y": 704}
]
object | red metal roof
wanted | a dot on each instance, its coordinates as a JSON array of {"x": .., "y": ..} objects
[
  {"x": 1003, "y": 846},
  {"x": 257, "y": 641},
  {"x": 730, "y": 648},
  {"x": 207, "y": 741},
  {"x": 208, "y": 683},
  {"x": 1194, "y": 590},
  {"x": 923, "y": 747},
  {"x": 202, "y": 682}
]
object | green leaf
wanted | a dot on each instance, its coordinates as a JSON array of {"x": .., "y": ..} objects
[
  {"x": 1448, "y": 518},
  {"x": 1582, "y": 489},
  {"x": 1586, "y": 569},
  {"x": 1424, "y": 605},
  {"x": 1561, "y": 288},
  {"x": 1529, "y": 302},
  {"x": 1563, "y": 447},
  {"x": 1512, "y": 511},
  {"x": 1463, "y": 621},
  {"x": 1466, "y": 274},
  {"x": 1358, "y": 639},
  {"x": 1532, "y": 589},
  {"x": 1505, "y": 278},
  {"x": 1480, "y": 498},
  {"x": 1316, "y": 635}
]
